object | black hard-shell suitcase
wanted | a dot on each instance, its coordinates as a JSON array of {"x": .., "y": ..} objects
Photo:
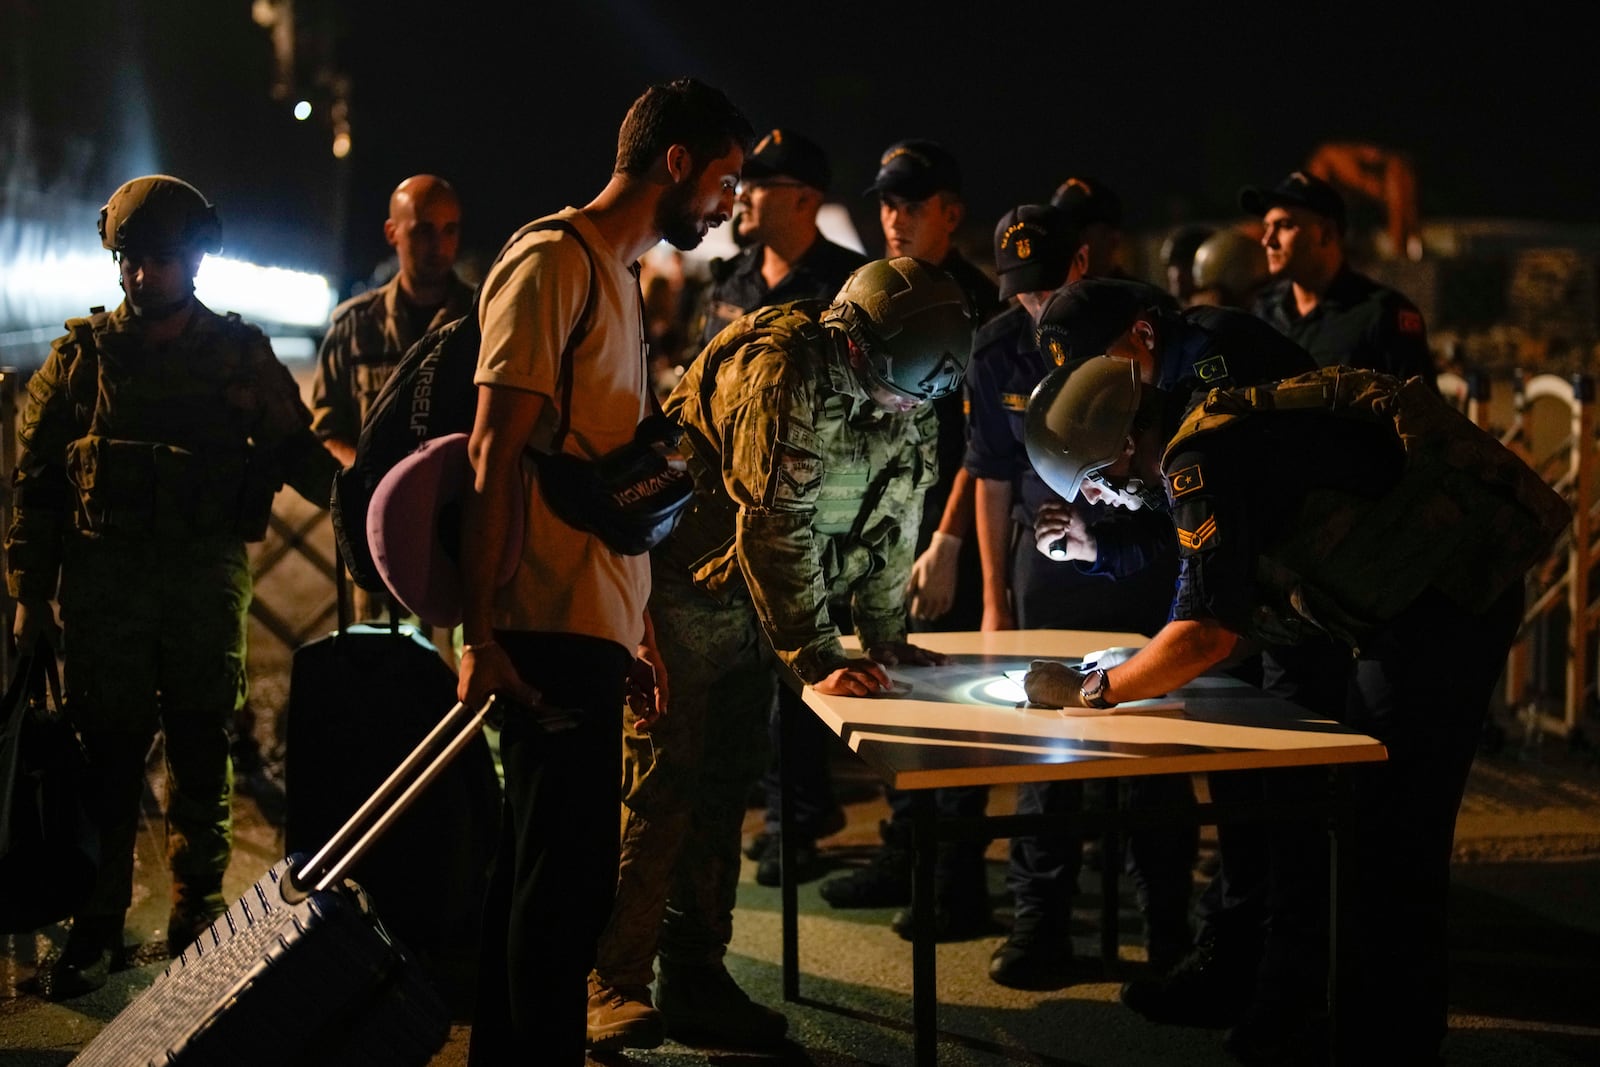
[
  {"x": 359, "y": 699},
  {"x": 300, "y": 970}
]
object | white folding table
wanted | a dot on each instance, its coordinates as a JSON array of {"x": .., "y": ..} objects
[{"x": 967, "y": 723}]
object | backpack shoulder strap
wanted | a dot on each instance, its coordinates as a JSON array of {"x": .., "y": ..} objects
[{"x": 564, "y": 370}]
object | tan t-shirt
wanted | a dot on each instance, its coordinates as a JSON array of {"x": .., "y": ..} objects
[{"x": 569, "y": 581}]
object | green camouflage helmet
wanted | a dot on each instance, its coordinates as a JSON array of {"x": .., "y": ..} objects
[
  {"x": 1232, "y": 262},
  {"x": 912, "y": 323},
  {"x": 159, "y": 213},
  {"x": 1078, "y": 419}
]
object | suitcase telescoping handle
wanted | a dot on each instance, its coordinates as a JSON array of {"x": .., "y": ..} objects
[{"x": 346, "y": 847}]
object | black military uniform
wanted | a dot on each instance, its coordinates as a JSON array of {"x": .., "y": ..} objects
[
  {"x": 738, "y": 286},
  {"x": 1312, "y": 491},
  {"x": 1356, "y": 323}
]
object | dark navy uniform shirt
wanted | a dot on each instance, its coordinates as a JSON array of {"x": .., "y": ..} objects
[
  {"x": 1357, "y": 323},
  {"x": 740, "y": 287},
  {"x": 1200, "y": 349},
  {"x": 983, "y": 297},
  {"x": 1237, "y": 493}
]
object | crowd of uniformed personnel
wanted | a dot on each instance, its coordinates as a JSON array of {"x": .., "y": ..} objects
[{"x": 865, "y": 458}]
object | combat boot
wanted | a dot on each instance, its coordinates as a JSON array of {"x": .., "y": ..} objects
[
  {"x": 1210, "y": 987},
  {"x": 961, "y": 908},
  {"x": 885, "y": 882},
  {"x": 93, "y": 950},
  {"x": 807, "y": 860},
  {"x": 188, "y": 922},
  {"x": 1038, "y": 956},
  {"x": 702, "y": 1005},
  {"x": 622, "y": 1017}
]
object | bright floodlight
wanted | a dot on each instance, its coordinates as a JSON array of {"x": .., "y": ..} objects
[
  {"x": 274, "y": 294},
  {"x": 302, "y": 110}
]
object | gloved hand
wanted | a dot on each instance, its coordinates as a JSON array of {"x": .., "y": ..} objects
[
  {"x": 932, "y": 588},
  {"x": 1053, "y": 685}
]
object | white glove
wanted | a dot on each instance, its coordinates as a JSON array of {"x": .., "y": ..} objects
[{"x": 932, "y": 588}]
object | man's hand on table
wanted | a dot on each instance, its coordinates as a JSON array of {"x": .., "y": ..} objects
[{"x": 857, "y": 678}]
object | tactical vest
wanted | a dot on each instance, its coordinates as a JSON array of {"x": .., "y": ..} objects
[
  {"x": 1467, "y": 517},
  {"x": 175, "y": 443},
  {"x": 851, "y": 483}
]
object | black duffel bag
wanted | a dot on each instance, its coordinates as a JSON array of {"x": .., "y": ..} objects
[{"x": 49, "y": 848}]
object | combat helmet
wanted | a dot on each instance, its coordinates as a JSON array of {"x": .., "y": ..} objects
[
  {"x": 911, "y": 322},
  {"x": 1231, "y": 262},
  {"x": 159, "y": 213},
  {"x": 1078, "y": 419}
]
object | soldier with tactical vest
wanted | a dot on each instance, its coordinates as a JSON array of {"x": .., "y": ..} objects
[
  {"x": 1340, "y": 505},
  {"x": 811, "y": 439},
  {"x": 153, "y": 441}
]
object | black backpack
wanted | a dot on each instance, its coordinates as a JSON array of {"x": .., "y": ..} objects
[{"x": 430, "y": 394}]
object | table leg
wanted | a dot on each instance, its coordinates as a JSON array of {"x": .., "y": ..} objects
[
  {"x": 1341, "y": 897},
  {"x": 1110, "y": 868},
  {"x": 788, "y": 888},
  {"x": 924, "y": 979}
]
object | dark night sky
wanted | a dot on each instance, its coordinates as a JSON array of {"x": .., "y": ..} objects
[{"x": 1173, "y": 111}]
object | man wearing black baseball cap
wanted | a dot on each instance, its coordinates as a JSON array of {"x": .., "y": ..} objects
[
  {"x": 1097, "y": 210},
  {"x": 918, "y": 189},
  {"x": 1316, "y": 299},
  {"x": 785, "y": 256}
]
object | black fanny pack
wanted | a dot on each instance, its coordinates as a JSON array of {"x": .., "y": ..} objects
[{"x": 631, "y": 497}]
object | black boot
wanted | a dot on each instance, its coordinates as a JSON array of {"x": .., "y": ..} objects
[
  {"x": 885, "y": 882},
  {"x": 1210, "y": 987},
  {"x": 1038, "y": 956},
  {"x": 92, "y": 951}
]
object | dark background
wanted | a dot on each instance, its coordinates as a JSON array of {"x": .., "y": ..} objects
[{"x": 1173, "y": 107}]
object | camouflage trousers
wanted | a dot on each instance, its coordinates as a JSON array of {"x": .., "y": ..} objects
[
  {"x": 154, "y": 639},
  {"x": 686, "y": 784}
]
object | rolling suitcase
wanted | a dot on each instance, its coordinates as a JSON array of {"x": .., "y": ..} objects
[
  {"x": 300, "y": 970},
  {"x": 359, "y": 699}
]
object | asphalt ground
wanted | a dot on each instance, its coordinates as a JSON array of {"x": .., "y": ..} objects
[{"x": 1524, "y": 930}]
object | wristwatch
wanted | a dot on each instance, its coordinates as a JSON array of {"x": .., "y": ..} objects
[{"x": 1093, "y": 690}]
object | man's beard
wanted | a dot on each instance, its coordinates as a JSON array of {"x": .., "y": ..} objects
[
  {"x": 743, "y": 238},
  {"x": 678, "y": 226}
]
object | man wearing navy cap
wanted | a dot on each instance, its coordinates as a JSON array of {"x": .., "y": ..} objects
[
  {"x": 1336, "y": 314},
  {"x": 782, "y": 187},
  {"x": 1091, "y": 204}
]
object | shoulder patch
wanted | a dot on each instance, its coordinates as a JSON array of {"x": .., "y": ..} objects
[
  {"x": 1016, "y": 402},
  {"x": 1186, "y": 480},
  {"x": 1211, "y": 369},
  {"x": 1409, "y": 321}
]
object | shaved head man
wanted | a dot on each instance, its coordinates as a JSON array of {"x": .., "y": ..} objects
[
  {"x": 371, "y": 331},
  {"x": 424, "y": 228}
]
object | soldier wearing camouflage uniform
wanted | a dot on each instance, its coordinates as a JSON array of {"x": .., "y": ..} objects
[
  {"x": 811, "y": 443},
  {"x": 370, "y": 332},
  {"x": 153, "y": 441}
]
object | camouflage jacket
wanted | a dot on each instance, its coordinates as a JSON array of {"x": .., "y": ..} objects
[
  {"x": 804, "y": 488},
  {"x": 192, "y": 439},
  {"x": 368, "y": 335},
  {"x": 1343, "y": 551}
]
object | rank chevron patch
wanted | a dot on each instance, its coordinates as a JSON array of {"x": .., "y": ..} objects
[{"x": 1196, "y": 539}]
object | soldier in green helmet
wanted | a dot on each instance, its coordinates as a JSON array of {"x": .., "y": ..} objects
[
  {"x": 811, "y": 441},
  {"x": 152, "y": 443}
]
